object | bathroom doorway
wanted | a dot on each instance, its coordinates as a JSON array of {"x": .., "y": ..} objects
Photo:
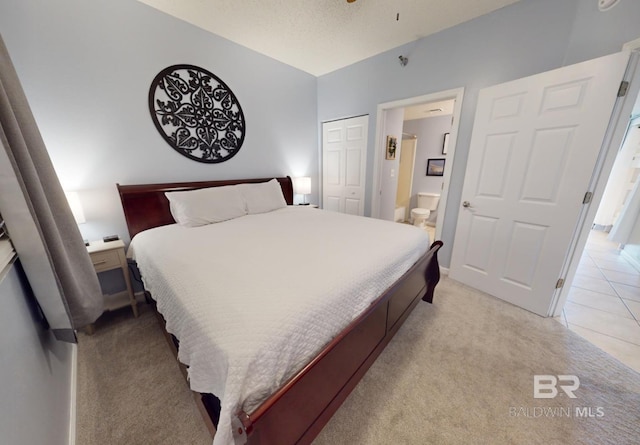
[
  {"x": 407, "y": 116},
  {"x": 430, "y": 124}
]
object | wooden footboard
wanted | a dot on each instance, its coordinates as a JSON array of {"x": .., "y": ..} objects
[{"x": 298, "y": 411}]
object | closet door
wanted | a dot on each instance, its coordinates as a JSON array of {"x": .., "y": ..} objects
[{"x": 344, "y": 154}]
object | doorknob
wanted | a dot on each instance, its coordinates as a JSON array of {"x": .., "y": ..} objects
[{"x": 466, "y": 204}]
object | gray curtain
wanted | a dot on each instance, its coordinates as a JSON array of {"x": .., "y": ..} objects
[{"x": 38, "y": 217}]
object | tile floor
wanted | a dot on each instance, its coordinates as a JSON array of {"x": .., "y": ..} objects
[
  {"x": 432, "y": 233},
  {"x": 604, "y": 301},
  {"x": 431, "y": 230}
]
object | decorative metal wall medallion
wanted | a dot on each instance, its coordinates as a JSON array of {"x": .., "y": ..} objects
[{"x": 196, "y": 113}]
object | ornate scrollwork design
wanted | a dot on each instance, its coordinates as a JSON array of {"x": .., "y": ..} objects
[{"x": 196, "y": 113}]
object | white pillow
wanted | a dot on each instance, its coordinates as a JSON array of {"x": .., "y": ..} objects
[
  {"x": 263, "y": 197},
  {"x": 194, "y": 208}
]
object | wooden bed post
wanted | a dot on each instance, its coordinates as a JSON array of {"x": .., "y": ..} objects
[{"x": 433, "y": 273}]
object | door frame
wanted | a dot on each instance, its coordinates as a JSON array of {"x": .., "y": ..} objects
[
  {"x": 616, "y": 131},
  {"x": 456, "y": 94},
  {"x": 414, "y": 140}
]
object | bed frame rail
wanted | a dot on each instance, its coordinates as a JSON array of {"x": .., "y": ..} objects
[{"x": 297, "y": 412}]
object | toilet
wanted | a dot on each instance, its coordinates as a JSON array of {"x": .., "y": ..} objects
[{"x": 427, "y": 202}]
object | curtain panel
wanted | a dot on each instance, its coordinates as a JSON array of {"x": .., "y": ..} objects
[{"x": 38, "y": 218}]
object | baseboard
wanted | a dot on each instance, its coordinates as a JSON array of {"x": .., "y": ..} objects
[
  {"x": 444, "y": 271},
  {"x": 73, "y": 394}
]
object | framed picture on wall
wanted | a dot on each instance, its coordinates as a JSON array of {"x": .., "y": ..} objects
[
  {"x": 445, "y": 144},
  {"x": 392, "y": 144},
  {"x": 435, "y": 167}
]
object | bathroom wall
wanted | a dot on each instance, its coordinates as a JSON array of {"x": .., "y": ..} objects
[
  {"x": 389, "y": 174},
  {"x": 430, "y": 132}
]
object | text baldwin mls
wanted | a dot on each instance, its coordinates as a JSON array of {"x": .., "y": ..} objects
[{"x": 557, "y": 411}]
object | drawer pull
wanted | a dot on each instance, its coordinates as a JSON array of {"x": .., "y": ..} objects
[{"x": 97, "y": 263}]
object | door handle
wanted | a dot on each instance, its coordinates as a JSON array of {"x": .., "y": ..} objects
[{"x": 466, "y": 204}]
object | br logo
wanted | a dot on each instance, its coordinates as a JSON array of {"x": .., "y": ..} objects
[{"x": 546, "y": 386}]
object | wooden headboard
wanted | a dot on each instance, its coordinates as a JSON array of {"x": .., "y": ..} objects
[{"x": 145, "y": 205}]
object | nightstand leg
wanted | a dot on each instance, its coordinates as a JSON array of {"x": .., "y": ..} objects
[
  {"x": 132, "y": 297},
  {"x": 134, "y": 307}
]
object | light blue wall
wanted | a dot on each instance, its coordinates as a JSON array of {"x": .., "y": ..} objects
[
  {"x": 86, "y": 67},
  {"x": 35, "y": 371},
  {"x": 596, "y": 33},
  {"x": 526, "y": 38}
]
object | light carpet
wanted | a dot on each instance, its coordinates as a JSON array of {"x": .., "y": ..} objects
[{"x": 460, "y": 371}]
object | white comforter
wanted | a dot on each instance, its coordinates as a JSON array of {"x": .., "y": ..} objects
[{"x": 253, "y": 299}]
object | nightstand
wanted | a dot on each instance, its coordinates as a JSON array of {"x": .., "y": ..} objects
[{"x": 109, "y": 256}]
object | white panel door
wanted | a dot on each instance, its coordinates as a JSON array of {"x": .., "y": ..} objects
[
  {"x": 344, "y": 152},
  {"x": 533, "y": 150}
]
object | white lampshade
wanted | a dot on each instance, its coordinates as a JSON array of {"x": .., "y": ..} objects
[
  {"x": 76, "y": 207},
  {"x": 302, "y": 185}
]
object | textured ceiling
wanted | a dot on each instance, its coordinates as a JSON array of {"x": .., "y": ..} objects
[{"x": 320, "y": 36}]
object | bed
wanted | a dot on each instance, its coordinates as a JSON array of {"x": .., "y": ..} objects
[{"x": 260, "y": 318}]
